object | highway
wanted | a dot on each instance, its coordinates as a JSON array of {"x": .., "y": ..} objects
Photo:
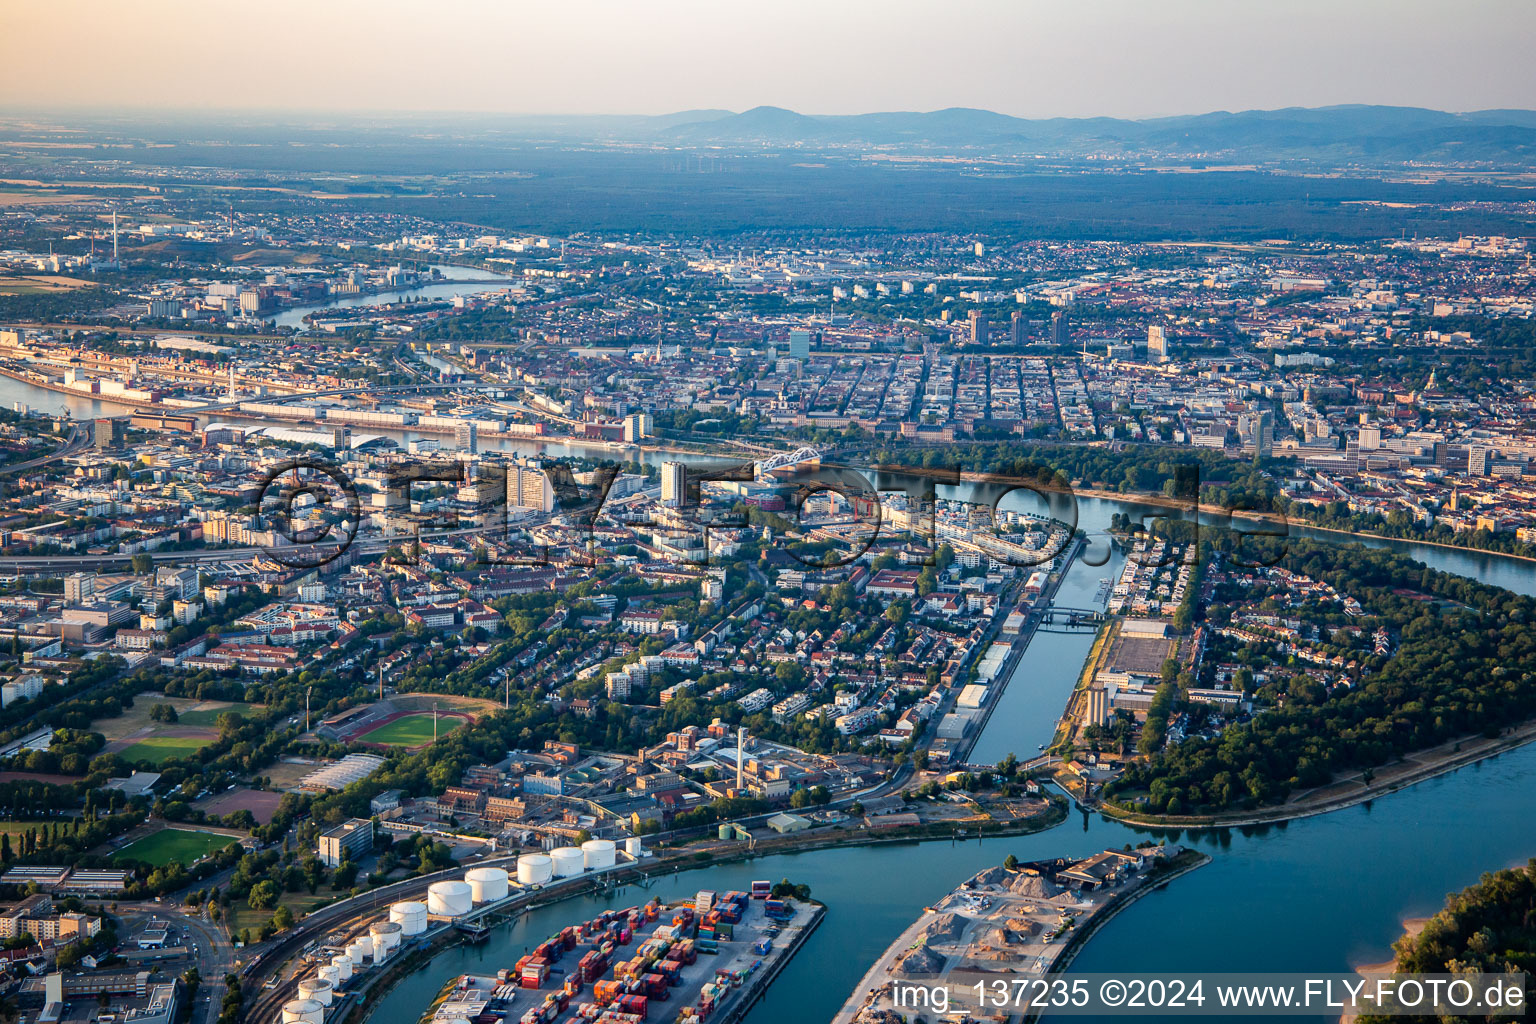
[{"x": 79, "y": 440}]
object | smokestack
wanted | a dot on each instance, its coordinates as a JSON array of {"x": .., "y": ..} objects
[
  {"x": 114, "y": 236},
  {"x": 741, "y": 748}
]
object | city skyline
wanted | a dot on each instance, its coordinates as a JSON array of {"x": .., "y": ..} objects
[{"x": 1030, "y": 60}]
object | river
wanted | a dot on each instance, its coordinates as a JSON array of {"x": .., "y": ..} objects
[
  {"x": 455, "y": 281},
  {"x": 1321, "y": 894}
]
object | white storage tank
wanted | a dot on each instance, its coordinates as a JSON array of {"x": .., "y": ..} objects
[
  {"x": 633, "y": 847},
  {"x": 449, "y": 899},
  {"x": 359, "y": 950},
  {"x": 486, "y": 885},
  {"x": 318, "y": 989},
  {"x": 303, "y": 1011},
  {"x": 386, "y": 937},
  {"x": 534, "y": 869},
  {"x": 330, "y": 974},
  {"x": 598, "y": 853},
  {"x": 343, "y": 965},
  {"x": 567, "y": 861},
  {"x": 411, "y": 916}
]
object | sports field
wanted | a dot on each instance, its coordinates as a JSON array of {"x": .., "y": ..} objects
[
  {"x": 210, "y": 717},
  {"x": 411, "y": 730},
  {"x": 156, "y": 750},
  {"x": 171, "y": 845}
]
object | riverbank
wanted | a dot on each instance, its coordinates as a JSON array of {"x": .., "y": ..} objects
[
  {"x": 1163, "y": 501},
  {"x": 1341, "y": 793},
  {"x": 666, "y": 862}
]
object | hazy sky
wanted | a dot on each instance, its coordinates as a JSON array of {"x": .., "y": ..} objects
[{"x": 1127, "y": 58}]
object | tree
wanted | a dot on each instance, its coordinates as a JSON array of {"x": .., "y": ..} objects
[
  {"x": 142, "y": 564},
  {"x": 1011, "y": 863},
  {"x": 263, "y": 895},
  {"x": 283, "y": 919}
]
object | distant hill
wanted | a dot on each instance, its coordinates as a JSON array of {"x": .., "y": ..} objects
[{"x": 1370, "y": 134}]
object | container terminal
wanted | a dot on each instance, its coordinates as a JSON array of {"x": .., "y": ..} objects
[{"x": 707, "y": 960}]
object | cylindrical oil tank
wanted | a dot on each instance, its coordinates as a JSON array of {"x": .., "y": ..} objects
[
  {"x": 486, "y": 885},
  {"x": 449, "y": 899},
  {"x": 598, "y": 853},
  {"x": 567, "y": 861},
  {"x": 360, "y": 949},
  {"x": 318, "y": 989},
  {"x": 386, "y": 937},
  {"x": 343, "y": 965},
  {"x": 534, "y": 869},
  {"x": 633, "y": 846},
  {"x": 411, "y": 916},
  {"x": 330, "y": 974},
  {"x": 303, "y": 1011}
]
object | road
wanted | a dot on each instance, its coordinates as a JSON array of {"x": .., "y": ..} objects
[
  {"x": 215, "y": 953},
  {"x": 79, "y": 440}
]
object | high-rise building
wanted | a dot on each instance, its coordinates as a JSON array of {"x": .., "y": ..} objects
[
  {"x": 981, "y": 249},
  {"x": 1157, "y": 344},
  {"x": 341, "y": 439},
  {"x": 1477, "y": 461},
  {"x": 1059, "y": 333},
  {"x": 800, "y": 344},
  {"x": 79, "y": 587},
  {"x": 1264, "y": 436},
  {"x": 637, "y": 427},
  {"x": 108, "y": 433},
  {"x": 1016, "y": 329},
  {"x": 1370, "y": 438},
  {"x": 674, "y": 484},
  {"x": 467, "y": 436},
  {"x": 980, "y": 329},
  {"x": 529, "y": 487}
]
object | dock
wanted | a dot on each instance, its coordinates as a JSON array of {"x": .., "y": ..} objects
[
  {"x": 1017, "y": 925},
  {"x": 705, "y": 961}
]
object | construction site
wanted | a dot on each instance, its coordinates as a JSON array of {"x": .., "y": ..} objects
[{"x": 1004, "y": 923}]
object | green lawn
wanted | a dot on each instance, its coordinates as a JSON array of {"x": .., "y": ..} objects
[
  {"x": 410, "y": 731},
  {"x": 240, "y": 915},
  {"x": 210, "y": 719},
  {"x": 156, "y": 750},
  {"x": 66, "y": 826},
  {"x": 173, "y": 844}
]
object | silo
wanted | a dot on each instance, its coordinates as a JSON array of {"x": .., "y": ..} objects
[
  {"x": 386, "y": 937},
  {"x": 534, "y": 869},
  {"x": 303, "y": 1011},
  {"x": 411, "y": 916},
  {"x": 330, "y": 974},
  {"x": 567, "y": 861},
  {"x": 343, "y": 965},
  {"x": 486, "y": 885},
  {"x": 634, "y": 847},
  {"x": 449, "y": 899},
  {"x": 318, "y": 989},
  {"x": 598, "y": 853}
]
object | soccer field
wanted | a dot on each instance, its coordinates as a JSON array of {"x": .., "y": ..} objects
[
  {"x": 411, "y": 730},
  {"x": 157, "y": 750},
  {"x": 173, "y": 844}
]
